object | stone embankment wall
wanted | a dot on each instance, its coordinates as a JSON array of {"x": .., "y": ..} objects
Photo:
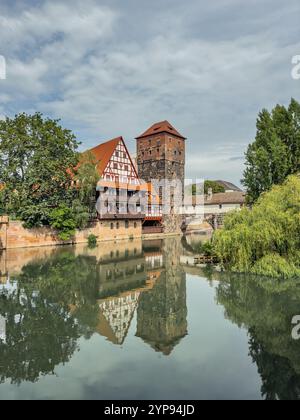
[{"x": 14, "y": 235}]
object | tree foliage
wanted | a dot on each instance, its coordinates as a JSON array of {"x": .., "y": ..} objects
[
  {"x": 38, "y": 170},
  {"x": 275, "y": 153},
  {"x": 265, "y": 309},
  {"x": 215, "y": 186},
  {"x": 62, "y": 219},
  {"x": 35, "y": 155},
  {"x": 264, "y": 240}
]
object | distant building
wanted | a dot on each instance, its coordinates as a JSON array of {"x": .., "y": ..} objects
[
  {"x": 229, "y": 187},
  {"x": 221, "y": 203},
  {"x": 211, "y": 208}
]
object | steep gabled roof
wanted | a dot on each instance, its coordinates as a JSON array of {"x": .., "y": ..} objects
[
  {"x": 161, "y": 127},
  {"x": 104, "y": 152}
]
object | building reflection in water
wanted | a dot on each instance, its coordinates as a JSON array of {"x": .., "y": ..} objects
[
  {"x": 150, "y": 281},
  {"x": 162, "y": 311},
  {"x": 102, "y": 289}
]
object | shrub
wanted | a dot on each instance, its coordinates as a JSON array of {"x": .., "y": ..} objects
[
  {"x": 264, "y": 240},
  {"x": 92, "y": 241},
  {"x": 206, "y": 248},
  {"x": 62, "y": 219}
]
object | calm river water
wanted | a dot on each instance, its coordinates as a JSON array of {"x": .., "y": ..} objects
[{"x": 135, "y": 321}]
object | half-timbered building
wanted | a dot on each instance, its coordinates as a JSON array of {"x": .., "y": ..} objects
[{"x": 122, "y": 198}]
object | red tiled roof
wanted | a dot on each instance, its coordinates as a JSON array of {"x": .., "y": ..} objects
[
  {"x": 161, "y": 127},
  {"x": 104, "y": 152}
]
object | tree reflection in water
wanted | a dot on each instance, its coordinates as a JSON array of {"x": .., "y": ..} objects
[
  {"x": 54, "y": 301},
  {"x": 266, "y": 308}
]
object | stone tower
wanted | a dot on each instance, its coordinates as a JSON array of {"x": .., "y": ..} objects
[{"x": 161, "y": 156}]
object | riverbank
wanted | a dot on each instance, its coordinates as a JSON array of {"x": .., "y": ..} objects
[{"x": 14, "y": 236}]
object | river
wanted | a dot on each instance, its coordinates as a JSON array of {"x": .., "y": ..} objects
[{"x": 134, "y": 321}]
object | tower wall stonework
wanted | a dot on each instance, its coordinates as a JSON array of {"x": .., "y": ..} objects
[{"x": 162, "y": 157}]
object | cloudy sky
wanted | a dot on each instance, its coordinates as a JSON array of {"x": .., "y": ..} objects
[{"x": 114, "y": 67}]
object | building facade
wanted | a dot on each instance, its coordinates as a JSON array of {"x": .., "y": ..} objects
[
  {"x": 161, "y": 161},
  {"x": 123, "y": 201}
]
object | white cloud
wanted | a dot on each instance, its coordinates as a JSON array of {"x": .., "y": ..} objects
[{"x": 77, "y": 61}]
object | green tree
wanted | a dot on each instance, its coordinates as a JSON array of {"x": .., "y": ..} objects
[
  {"x": 62, "y": 219},
  {"x": 264, "y": 240},
  {"x": 35, "y": 156},
  {"x": 216, "y": 188},
  {"x": 275, "y": 153},
  {"x": 86, "y": 178}
]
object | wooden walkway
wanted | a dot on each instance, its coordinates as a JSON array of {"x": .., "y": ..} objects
[
  {"x": 198, "y": 260},
  {"x": 204, "y": 259}
]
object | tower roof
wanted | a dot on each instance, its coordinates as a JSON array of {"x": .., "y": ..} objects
[{"x": 161, "y": 127}]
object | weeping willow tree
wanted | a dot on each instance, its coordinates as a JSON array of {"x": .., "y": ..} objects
[{"x": 264, "y": 240}]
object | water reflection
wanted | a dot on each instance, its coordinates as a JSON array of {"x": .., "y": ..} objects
[
  {"x": 266, "y": 308},
  {"x": 49, "y": 298},
  {"x": 54, "y": 302},
  {"x": 162, "y": 312}
]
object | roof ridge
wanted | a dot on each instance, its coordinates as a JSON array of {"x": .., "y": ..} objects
[{"x": 161, "y": 127}]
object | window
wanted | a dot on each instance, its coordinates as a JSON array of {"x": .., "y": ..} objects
[
  {"x": 112, "y": 226},
  {"x": 220, "y": 206},
  {"x": 115, "y": 166},
  {"x": 135, "y": 225},
  {"x": 126, "y": 224},
  {"x": 118, "y": 225},
  {"x": 117, "y": 154},
  {"x": 161, "y": 193}
]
